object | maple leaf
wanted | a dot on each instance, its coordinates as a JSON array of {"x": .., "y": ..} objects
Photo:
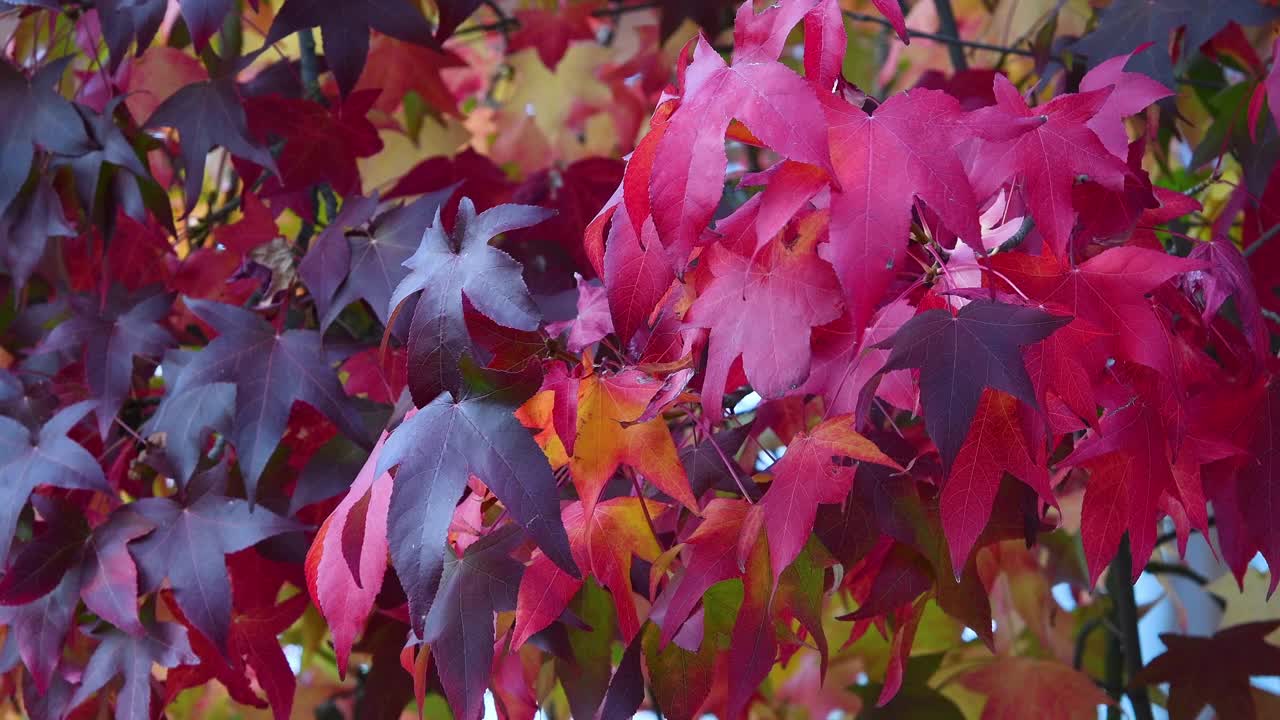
[
  {"x": 1128, "y": 24},
  {"x": 689, "y": 166},
  {"x": 25, "y": 229},
  {"x": 1016, "y": 686},
  {"x": 475, "y": 175},
  {"x": 43, "y": 457},
  {"x": 1239, "y": 652},
  {"x": 753, "y": 646},
  {"x": 1050, "y": 157},
  {"x": 345, "y": 29},
  {"x": 995, "y": 444},
  {"x": 108, "y": 574},
  {"x": 550, "y": 31},
  {"x": 124, "y": 20},
  {"x": 38, "y": 631},
  {"x": 204, "y": 18},
  {"x": 959, "y": 355},
  {"x": 256, "y": 227},
  {"x": 763, "y": 307},
  {"x": 447, "y": 267},
  {"x": 351, "y": 545},
  {"x": 1258, "y": 480},
  {"x": 637, "y": 273},
  {"x": 715, "y": 548},
  {"x": 40, "y": 564},
  {"x": 270, "y": 370},
  {"x": 437, "y": 450},
  {"x": 252, "y": 645},
  {"x": 108, "y": 145},
  {"x": 396, "y": 68},
  {"x": 39, "y": 116},
  {"x": 485, "y": 580},
  {"x": 107, "y": 338},
  {"x": 451, "y": 14},
  {"x": 132, "y": 656},
  {"x": 189, "y": 543},
  {"x": 684, "y": 677},
  {"x": 884, "y": 161},
  {"x": 592, "y": 321},
  {"x": 603, "y": 543},
  {"x": 1228, "y": 275},
  {"x": 818, "y": 468},
  {"x": 180, "y": 427},
  {"x": 346, "y": 263},
  {"x": 208, "y": 114},
  {"x": 1107, "y": 291},
  {"x": 1131, "y": 93},
  {"x": 321, "y": 144},
  {"x": 611, "y": 431},
  {"x": 577, "y": 193}
]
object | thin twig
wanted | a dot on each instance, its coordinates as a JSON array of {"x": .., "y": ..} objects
[
  {"x": 705, "y": 426},
  {"x": 939, "y": 37},
  {"x": 1173, "y": 535},
  {"x": 505, "y": 24},
  {"x": 1183, "y": 571},
  {"x": 508, "y": 24},
  {"x": 1262, "y": 240}
]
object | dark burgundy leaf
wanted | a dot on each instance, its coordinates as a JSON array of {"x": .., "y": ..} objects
[
  {"x": 40, "y": 565},
  {"x": 1129, "y": 24},
  {"x": 958, "y": 355}
]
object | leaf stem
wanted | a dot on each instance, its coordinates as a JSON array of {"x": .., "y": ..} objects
[
  {"x": 705, "y": 426},
  {"x": 635, "y": 483}
]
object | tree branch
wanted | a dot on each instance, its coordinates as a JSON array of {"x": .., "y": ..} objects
[
  {"x": 1262, "y": 240},
  {"x": 1125, "y": 612},
  {"x": 947, "y": 23},
  {"x": 941, "y": 38},
  {"x": 309, "y": 65},
  {"x": 949, "y": 36}
]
